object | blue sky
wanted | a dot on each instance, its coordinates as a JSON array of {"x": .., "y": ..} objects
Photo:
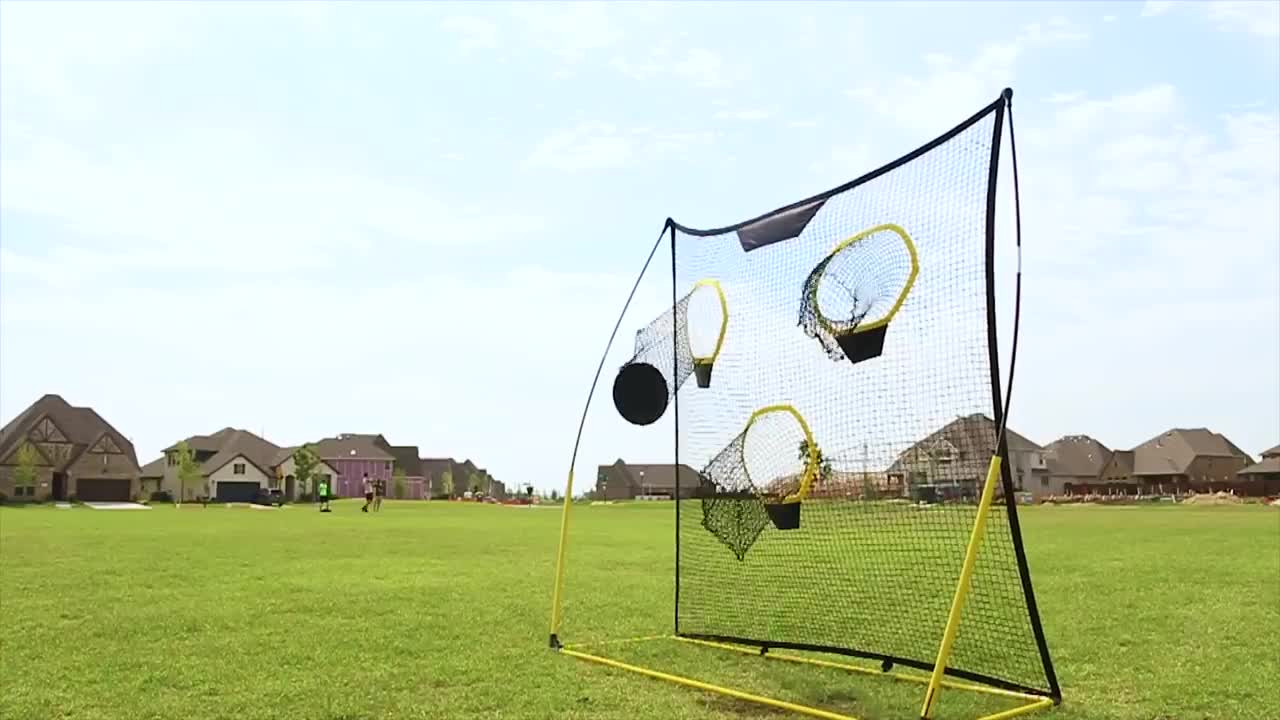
[{"x": 422, "y": 219}]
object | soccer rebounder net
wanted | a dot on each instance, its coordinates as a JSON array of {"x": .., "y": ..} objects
[{"x": 842, "y": 492}]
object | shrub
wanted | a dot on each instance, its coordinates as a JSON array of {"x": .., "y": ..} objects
[{"x": 161, "y": 496}]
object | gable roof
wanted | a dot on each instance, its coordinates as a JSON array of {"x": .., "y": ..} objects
[
  {"x": 972, "y": 436},
  {"x": 153, "y": 469},
  {"x": 434, "y": 467},
  {"x": 657, "y": 476},
  {"x": 1173, "y": 451},
  {"x": 1269, "y": 465},
  {"x": 229, "y": 443},
  {"x": 82, "y": 427},
  {"x": 205, "y": 443},
  {"x": 1273, "y": 452},
  {"x": 406, "y": 458},
  {"x": 352, "y": 447},
  {"x": 1076, "y": 456}
]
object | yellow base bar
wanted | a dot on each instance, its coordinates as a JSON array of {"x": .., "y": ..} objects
[{"x": 1034, "y": 702}]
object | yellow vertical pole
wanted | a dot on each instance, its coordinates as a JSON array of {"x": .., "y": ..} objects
[
  {"x": 962, "y": 587},
  {"x": 560, "y": 552}
]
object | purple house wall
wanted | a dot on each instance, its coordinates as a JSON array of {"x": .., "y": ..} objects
[
  {"x": 352, "y": 457},
  {"x": 351, "y": 473}
]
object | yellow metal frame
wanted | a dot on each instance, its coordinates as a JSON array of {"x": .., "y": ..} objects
[
  {"x": 934, "y": 682},
  {"x": 897, "y": 303},
  {"x": 724, "y": 319},
  {"x": 810, "y": 468}
]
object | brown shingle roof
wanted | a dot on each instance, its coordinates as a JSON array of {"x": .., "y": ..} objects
[
  {"x": 1173, "y": 451},
  {"x": 229, "y": 443},
  {"x": 655, "y": 476},
  {"x": 351, "y": 447},
  {"x": 153, "y": 469},
  {"x": 1076, "y": 456},
  {"x": 406, "y": 458},
  {"x": 1273, "y": 452},
  {"x": 1267, "y": 466},
  {"x": 82, "y": 427},
  {"x": 974, "y": 439}
]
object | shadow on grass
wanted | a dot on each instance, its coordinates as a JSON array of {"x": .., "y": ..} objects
[{"x": 838, "y": 701}]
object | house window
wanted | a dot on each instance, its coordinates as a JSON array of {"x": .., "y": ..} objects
[
  {"x": 1044, "y": 482},
  {"x": 172, "y": 459},
  {"x": 237, "y": 469},
  {"x": 388, "y": 467},
  {"x": 24, "y": 491},
  {"x": 326, "y": 477}
]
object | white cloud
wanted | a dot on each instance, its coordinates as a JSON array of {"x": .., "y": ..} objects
[
  {"x": 702, "y": 67},
  {"x": 474, "y": 33},
  {"x": 1156, "y": 8},
  {"x": 803, "y": 123},
  {"x": 1108, "y": 18},
  {"x": 171, "y": 202},
  {"x": 1142, "y": 226},
  {"x": 1255, "y": 17},
  {"x": 1059, "y": 98},
  {"x": 569, "y": 30},
  {"x": 601, "y": 146},
  {"x": 948, "y": 86},
  {"x": 747, "y": 114},
  {"x": 699, "y": 67},
  {"x": 590, "y": 146}
]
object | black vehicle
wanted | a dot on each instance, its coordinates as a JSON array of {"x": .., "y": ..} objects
[{"x": 269, "y": 497}]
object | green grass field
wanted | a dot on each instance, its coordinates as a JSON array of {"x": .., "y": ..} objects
[{"x": 1160, "y": 613}]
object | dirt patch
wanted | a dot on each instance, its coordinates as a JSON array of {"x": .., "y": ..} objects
[{"x": 1218, "y": 498}]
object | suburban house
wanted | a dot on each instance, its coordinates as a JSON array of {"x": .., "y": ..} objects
[
  {"x": 625, "y": 481},
  {"x": 234, "y": 466},
  {"x": 284, "y": 467},
  {"x": 353, "y": 456},
  {"x": 408, "y": 462},
  {"x": 1262, "y": 478},
  {"x": 1075, "y": 465},
  {"x": 151, "y": 477},
  {"x": 77, "y": 454},
  {"x": 434, "y": 469},
  {"x": 1177, "y": 461},
  {"x": 952, "y": 461}
]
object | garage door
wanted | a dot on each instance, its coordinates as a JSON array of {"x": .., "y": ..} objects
[
  {"x": 237, "y": 491},
  {"x": 102, "y": 489}
]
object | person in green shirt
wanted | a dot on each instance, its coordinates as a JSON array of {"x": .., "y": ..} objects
[{"x": 323, "y": 493}]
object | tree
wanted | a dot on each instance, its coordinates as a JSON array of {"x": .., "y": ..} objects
[
  {"x": 446, "y": 483},
  {"x": 475, "y": 483},
  {"x": 398, "y": 482},
  {"x": 26, "y": 472},
  {"x": 305, "y": 462},
  {"x": 824, "y": 465},
  {"x": 188, "y": 470}
]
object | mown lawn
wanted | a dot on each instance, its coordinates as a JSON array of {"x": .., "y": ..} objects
[{"x": 440, "y": 611}]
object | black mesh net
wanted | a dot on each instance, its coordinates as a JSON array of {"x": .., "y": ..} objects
[
  {"x": 856, "y": 289},
  {"x": 654, "y": 345},
  {"x": 905, "y": 430},
  {"x": 749, "y": 483}
]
